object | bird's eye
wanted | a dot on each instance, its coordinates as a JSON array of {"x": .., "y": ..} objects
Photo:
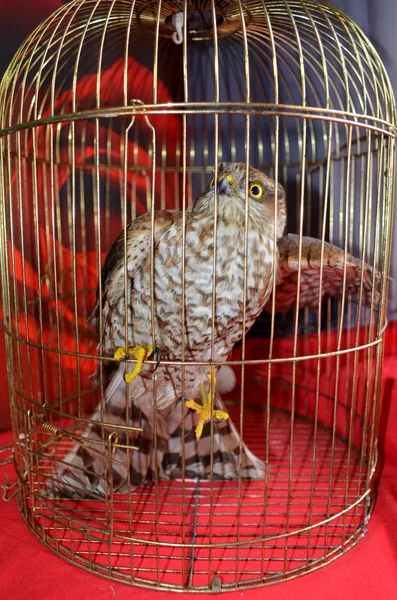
[
  {"x": 212, "y": 183},
  {"x": 256, "y": 191}
]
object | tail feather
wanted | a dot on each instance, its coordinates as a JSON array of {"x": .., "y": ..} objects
[
  {"x": 92, "y": 469},
  {"x": 223, "y": 445}
]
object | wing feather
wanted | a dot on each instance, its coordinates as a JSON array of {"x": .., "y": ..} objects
[
  {"x": 139, "y": 236},
  {"x": 358, "y": 275}
]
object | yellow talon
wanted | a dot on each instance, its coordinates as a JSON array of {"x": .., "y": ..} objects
[
  {"x": 141, "y": 353},
  {"x": 122, "y": 353},
  {"x": 204, "y": 410}
]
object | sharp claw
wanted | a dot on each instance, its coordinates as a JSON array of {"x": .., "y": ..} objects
[
  {"x": 157, "y": 352},
  {"x": 204, "y": 411},
  {"x": 180, "y": 399}
]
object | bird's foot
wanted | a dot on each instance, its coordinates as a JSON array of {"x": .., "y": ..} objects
[
  {"x": 141, "y": 353},
  {"x": 204, "y": 410}
]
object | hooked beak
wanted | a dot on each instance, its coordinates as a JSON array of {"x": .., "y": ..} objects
[{"x": 224, "y": 186}]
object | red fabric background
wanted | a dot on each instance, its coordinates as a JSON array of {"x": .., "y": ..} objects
[
  {"x": 367, "y": 571},
  {"x": 140, "y": 85}
]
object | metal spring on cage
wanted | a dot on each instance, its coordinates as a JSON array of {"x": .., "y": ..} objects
[
  {"x": 50, "y": 428},
  {"x": 61, "y": 433}
]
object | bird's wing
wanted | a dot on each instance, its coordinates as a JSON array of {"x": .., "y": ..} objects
[
  {"x": 139, "y": 240},
  {"x": 339, "y": 269}
]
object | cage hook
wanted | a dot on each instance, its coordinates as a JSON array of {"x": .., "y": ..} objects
[
  {"x": 141, "y": 103},
  {"x": 177, "y": 23},
  {"x": 7, "y": 488},
  {"x": 137, "y": 101}
]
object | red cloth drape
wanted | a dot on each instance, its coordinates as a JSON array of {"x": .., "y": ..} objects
[{"x": 366, "y": 572}]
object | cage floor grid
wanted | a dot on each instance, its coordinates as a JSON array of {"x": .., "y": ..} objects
[{"x": 201, "y": 535}]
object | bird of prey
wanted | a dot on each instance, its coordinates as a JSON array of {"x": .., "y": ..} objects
[{"x": 159, "y": 293}]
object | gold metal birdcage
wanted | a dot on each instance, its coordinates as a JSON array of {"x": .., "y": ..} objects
[{"x": 112, "y": 108}]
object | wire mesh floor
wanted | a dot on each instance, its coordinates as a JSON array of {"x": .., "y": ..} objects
[{"x": 202, "y": 535}]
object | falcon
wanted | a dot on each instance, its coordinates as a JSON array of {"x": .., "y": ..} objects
[{"x": 187, "y": 287}]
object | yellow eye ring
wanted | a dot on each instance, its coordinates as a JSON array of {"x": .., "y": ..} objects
[
  {"x": 212, "y": 183},
  {"x": 256, "y": 191}
]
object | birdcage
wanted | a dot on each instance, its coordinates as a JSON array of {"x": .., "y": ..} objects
[{"x": 115, "y": 108}]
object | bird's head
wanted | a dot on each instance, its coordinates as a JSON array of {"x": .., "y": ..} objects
[{"x": 232, "y": 188}]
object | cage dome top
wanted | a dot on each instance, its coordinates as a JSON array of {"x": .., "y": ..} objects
[{"x": 278, "y": 56}]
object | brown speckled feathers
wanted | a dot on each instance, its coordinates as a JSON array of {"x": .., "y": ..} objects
[
  {"x": 124, "y": 315},
  {"x": 340, "y": 271}
]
